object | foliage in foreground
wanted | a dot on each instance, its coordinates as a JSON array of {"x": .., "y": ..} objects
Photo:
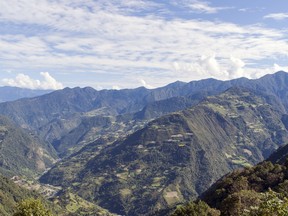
[
  {"x": 33, "y": 207},
  {"x": 272, "y": 204},
  {"x": 195, "y": 209},
  {"x": 243, "y": 203}
]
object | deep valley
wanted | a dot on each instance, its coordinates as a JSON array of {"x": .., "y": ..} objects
[{"x": 144, "y": 151}]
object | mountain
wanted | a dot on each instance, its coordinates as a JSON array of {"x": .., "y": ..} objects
[
  {"x": 11, "y": 194},
  {"x": 105, "y": 137},
  {"x": 74, "y": 205},
  {"x": 279, "y": 156},
  {"x": 22, "y": 153},
  {"x": 175, "y": 157},
  {"x": 92, "y": 128},
  {"x": 68, "y": 204},
  {"x": 159, "y": 108},
  {"x": 36, "y": 112},
  {"x": 256, "y": 190},
  {"x": 54, "y": 115},
  {"x": 8, "y": 93},
  {"x": 243, "y": 188}
]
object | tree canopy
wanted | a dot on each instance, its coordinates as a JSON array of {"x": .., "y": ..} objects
[{"x": 33, "y": 207}]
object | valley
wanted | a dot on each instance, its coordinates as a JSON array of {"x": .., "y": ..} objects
[{"x": 141, "y": 151}]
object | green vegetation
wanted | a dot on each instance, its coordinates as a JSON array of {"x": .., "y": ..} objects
[
  {"x": 33, "y": 207},
  {"x": 22, "y": 153},
  {"x": 271, "y": 204},
  {"x": 72, "y": 204},
  {"x": 259, "y": 190},
  {"x": 243, "y": 203},
  {"x": 172, "y": 159},
  {"x": 195, "y": 209},
  {"x": 12, "y": 195},
  {"x": 175, "y": 157}
]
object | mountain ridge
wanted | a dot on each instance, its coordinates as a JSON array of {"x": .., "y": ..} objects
[
  {"x": 132, "y": 152},
  {"x": 53, "y": 115},
  {"x": 10, "y": 93},
  {"x": 177, "y": 156}
]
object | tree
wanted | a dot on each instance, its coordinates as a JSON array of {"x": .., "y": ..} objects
[
  {"x": 236, "y": 203},
  {"x": 195, "y": 209},
  {"x": 33, "y": 207},
  {"x": 273, "y": 204}
]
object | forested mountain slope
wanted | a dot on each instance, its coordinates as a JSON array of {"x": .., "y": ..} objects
[
  {"x": 54, "y": 115},
  {"x": 177, "y": 156},
  {"x": 22, "y": 153}
]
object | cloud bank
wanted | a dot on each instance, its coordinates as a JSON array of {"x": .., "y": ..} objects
[
  {"x": 24, "y": 81},
  {"x": 211, "y": 66},
  {"x": 133, "y": 38}
]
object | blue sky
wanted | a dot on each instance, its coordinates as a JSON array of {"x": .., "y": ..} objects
[{"x": 51, "y": 44}]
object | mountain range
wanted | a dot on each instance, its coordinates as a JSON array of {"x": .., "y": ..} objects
[
  {"x": 138, "y": 151},
  {"x": 175, "y": 157},
  {"x": 9, "y": 93},
  {"x": 54, "y": 115}
]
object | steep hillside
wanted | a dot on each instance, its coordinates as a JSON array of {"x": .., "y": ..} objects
[
  {"x": 34, "y": 113},
  {"x": 175, "y": 157},
  {"x": 256, "y": 190},
  {"x": 244, "y": 188},
  {"x": 11, "y": 194},
  {"x": 92, "y": 128},
  {"x": 280, "y": 155},
  {"x": 274, "y": 84},
  {"x": 159, "y": 108},
  {"x": 53, "y": 116},
  {"x": 56, "y": 114},
  {"x": 21, "y": 153}
]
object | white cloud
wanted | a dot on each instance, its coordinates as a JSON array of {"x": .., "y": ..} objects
[
  {"x": 24, "y": 81},
  {"x": 243, "y": 9},
  {"x": 256, "y": 73},
  {"x": 280, "y": 68},
  {"x": 101, "y": 37},
  {"x": 198, "y": 6},
  {"x": 277, "y": 16},
  {"x": 204, "y": 67},
  {"x": 144, "y": 84},
  {"x": 236, "y": 68},
  {"x": 115, "y": 87},
  {"x": 211, "y": 66}
]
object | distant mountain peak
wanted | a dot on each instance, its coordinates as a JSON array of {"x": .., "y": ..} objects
[{"x": 274, "y": 75}]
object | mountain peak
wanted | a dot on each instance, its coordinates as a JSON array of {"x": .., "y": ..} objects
[{"x": 279, "y": 74}]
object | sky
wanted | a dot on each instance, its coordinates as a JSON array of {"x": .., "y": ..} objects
[{"x": 112, "y": 44}]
